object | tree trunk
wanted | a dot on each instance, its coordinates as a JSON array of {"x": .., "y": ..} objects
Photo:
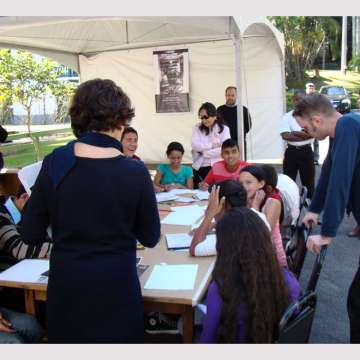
[{"x": 34, "y": 138}]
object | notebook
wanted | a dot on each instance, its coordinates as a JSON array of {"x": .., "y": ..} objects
[{"x": 178, "y": 241}]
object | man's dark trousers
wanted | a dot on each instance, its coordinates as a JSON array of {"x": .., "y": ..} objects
[
  {"x": 353, "y": 307},
  {"x": 300, "y": 158}
]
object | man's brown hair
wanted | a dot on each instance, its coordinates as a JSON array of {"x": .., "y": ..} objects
[{"x": 313, "y": 104}]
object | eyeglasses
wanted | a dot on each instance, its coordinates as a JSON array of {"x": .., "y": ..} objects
[{"x": 204, "y": 117}]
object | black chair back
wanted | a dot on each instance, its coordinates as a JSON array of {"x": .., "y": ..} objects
[
  {"x": 296, "y": 323},
  {"x": 315, "y": 274},
  {"x": 303, "y": 203},
  {"x": 295, "y": 249}
]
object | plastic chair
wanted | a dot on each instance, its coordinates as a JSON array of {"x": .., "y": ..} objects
[
  {"x": 315, "y": 274},
  {"x": 295, "y": 249},
  {"x": 289, "y": 230},
  {"x": 304, "y": 203},
  {"x": 296, "y": 323}
]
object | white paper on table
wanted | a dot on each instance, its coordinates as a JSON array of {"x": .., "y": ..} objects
[
  {"x": 27, "y": 271},
  {"x": 28, "y": 175},
  {"x": 178, "y": 241},
  {"x": 206, "y": 247},
  {"x": 197, "y": 223},
  {"x": 202, "y": 195},
  {"x": 184, "y": 215},
  {"x": 185, "y": 200},
  {"x": 186, "y": 208},
  {"x": 172, "y": 277},
  {"x": 182, "y": 191},
  {"x": 164, "y": 196}
]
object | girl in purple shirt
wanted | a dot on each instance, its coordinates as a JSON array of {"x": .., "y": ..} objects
[{"x": 249, "y": 292}]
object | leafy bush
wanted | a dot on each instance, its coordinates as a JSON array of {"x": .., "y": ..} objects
[{"x": 354, "y": 63}]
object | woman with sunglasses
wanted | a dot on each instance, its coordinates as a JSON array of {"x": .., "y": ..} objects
[{"x": 206, "y": 140}]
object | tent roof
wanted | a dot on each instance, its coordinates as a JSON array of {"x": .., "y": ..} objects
[{"x": 66, "y": 37}]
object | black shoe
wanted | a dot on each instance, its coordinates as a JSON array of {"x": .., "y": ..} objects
[{"x": 158, "y": 323}]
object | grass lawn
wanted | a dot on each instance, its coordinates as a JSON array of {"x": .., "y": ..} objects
[
  {"x": 20, "y": 135},
  {"x": 19, "y": 155},
  {"x": 351, "y": 80}
]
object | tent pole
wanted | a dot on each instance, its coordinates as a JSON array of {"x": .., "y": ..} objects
[{"x": 240, "y": 120}]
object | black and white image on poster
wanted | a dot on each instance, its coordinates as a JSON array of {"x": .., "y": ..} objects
[{"x": 171, "y": 80}]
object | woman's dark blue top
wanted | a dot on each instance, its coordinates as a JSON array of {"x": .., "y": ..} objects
[{"x": 97, "y": 212}]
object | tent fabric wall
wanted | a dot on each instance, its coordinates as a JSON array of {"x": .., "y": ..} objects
[
  {"x": 121, "y": 48},
  {"x": 212, "y": 68},
  {"x": 263, "y": 92}
]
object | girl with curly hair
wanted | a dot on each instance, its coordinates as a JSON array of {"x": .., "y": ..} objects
[{"x": 250, "y": 291}]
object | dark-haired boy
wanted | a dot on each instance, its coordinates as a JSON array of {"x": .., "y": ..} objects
[
  {"x": 227, "y": 169},
  {"x": 129, "y": 141},
  {"x": 10, "y": 240}
]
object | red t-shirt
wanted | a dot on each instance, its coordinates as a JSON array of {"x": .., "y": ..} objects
[
  {"x": 219, "y": 172},
  {"x": 135, "y": 157},
  {"x": 275, "y": 194}
]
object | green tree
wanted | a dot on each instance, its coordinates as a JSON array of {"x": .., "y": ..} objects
[
  {"x": 63, "y": 92},
  {"x": 24, "y": 79},
  {"x": 5, "y": 110},
  {"x": 354, "y": 64},
  {"x": 304, "y": 37}
]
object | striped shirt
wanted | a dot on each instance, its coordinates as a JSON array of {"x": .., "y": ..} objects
[{"x": 11, "y": 243}]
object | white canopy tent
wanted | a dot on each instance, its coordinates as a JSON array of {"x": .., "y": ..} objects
[{"x": 246, "y": 52}]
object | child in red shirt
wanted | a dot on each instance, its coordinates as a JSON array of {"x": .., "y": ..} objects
[{"x": 227, "y": 169}]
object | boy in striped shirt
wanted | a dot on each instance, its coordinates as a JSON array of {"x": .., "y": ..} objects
[{"x": 10, "y": 240}]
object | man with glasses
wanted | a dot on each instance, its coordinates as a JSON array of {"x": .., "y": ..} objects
[{"x": 339, "y": 184}]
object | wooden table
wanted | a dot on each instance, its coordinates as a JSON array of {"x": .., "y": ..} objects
[{"x": 165, "y": 301}]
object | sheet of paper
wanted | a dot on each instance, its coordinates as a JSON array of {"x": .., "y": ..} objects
[
  {"x": 182, "y": 191},
  {"x": 207, "y": 247},
  {"x": 28, "y": 175},
  {"x": 202, "y": 195},
  {"x": 164, "y": 196},
  {"x": 178, "y": 241},
  {"x": 28, "y": 270},
  {"x": 186, "y": 208},
  {"x": 172, "y": 277},
  {"x": 184, "y": 215},
  {"x": 185, "y": 199}
]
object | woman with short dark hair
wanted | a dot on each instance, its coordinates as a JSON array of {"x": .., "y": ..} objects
[
  {"x": 98, "y": 203},
  {"x": 206, "y": 140}
]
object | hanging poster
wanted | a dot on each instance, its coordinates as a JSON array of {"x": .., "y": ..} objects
[{"x": 171, "y": 81}]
